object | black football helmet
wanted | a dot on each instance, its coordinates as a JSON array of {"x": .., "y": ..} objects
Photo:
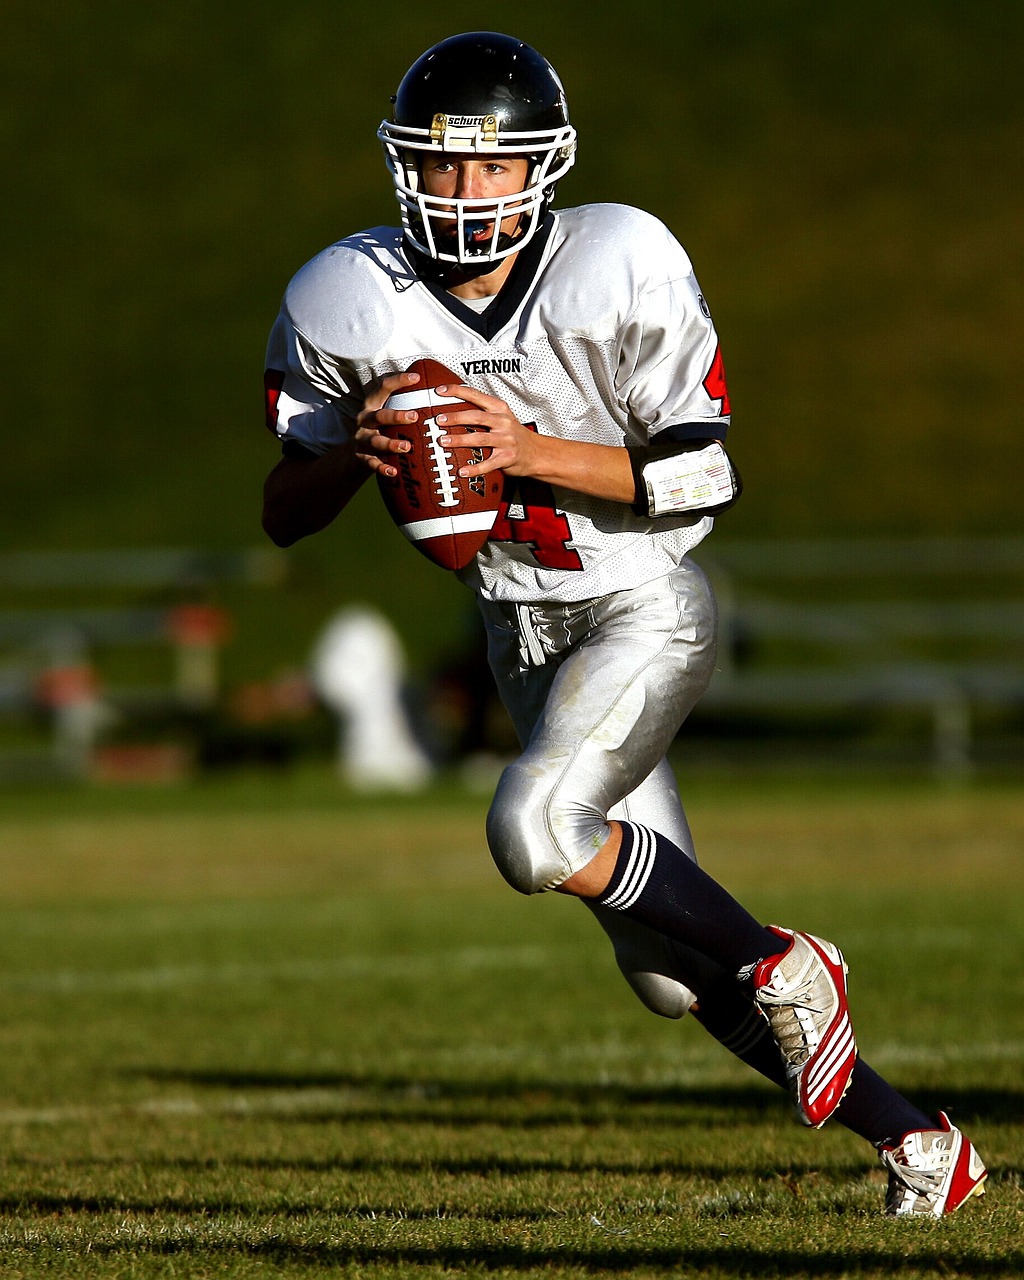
[{"x": 480, "y": 93}]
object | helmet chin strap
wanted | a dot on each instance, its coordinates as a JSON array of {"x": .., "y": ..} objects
[{"x": 447, "y": 273}]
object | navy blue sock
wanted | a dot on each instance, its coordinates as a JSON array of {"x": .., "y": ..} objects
[
  {"x": 726, "y": 1012},
  {"x": 656, "y": 883},
  {"x": 872, "y": 1108}
]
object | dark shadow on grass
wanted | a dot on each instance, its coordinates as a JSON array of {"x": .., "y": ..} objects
[
  {"x": 485, "y": 1166},
  {"x": 43, "y": 1205},
  {"x": 472, "y": 1166},
  {"x": 739, "y": 1261},
  {"x": 550, "y": 1101}
]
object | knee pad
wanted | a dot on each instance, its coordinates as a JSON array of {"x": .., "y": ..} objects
[
  {"x": 537, "y": 840},
  {"x": 664, "y": 996},
  {"x": 664, "y": 975},
  {"x": 646, "y": 961}
]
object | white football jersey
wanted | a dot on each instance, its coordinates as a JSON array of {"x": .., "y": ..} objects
[{"x": 600, "y": 334}]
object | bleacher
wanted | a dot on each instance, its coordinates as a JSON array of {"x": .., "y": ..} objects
[
  {"x": 827, "y": 627},
  {"x": 917, "y": 639},
  {"x": 60, "y": 610}
]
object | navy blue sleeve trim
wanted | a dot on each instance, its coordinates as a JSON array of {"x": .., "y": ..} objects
[{"x": 684, "y": 432}]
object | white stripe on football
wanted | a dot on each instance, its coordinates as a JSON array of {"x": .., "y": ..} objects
[{"x": 444, "y": 515}]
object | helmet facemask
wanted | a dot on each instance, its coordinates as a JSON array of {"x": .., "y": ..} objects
[{"x": 428, "y": 219}]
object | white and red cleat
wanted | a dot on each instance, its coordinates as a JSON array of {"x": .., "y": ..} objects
[
  {"x": 932, "y": 1171},
  {"x": 802, "y": 993}
]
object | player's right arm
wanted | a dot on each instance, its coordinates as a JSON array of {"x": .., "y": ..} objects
[{"x": 307, "y": 490}]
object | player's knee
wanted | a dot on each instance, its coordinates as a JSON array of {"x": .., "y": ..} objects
[
  {"x": 643, "y": 960},
  {"x": 537, "y": 843},
  {"x": 658, "y": 970},
  {"x": 522, "y": 858},
  {"x": 662, "y": 995}
]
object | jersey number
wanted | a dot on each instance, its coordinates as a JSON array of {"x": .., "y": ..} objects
[
  {"x": 273, "y": 381},
  {"x": 714, "y": 383},
  {"x": 541, "y": 527}
]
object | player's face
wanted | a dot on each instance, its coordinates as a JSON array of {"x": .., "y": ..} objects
[{"x": 475, "y": 177}]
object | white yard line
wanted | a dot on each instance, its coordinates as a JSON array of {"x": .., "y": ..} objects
[
  {"x": 271, "y": 1102},
  {"x": 74, "y": 981}
]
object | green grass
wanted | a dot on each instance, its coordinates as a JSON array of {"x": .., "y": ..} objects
[{"x": 267, "y": 1028}]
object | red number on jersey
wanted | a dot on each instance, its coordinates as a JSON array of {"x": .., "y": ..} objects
[
  {"x": 714, "y": 383},
  {"x": 273, "y": 381},
  {"x": 541, "y": 527}
]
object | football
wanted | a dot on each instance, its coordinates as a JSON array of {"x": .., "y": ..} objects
[{"x": 446, "y": 517}]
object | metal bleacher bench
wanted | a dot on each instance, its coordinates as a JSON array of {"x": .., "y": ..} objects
[
  {"x": 933, "y": 624},
  {"x": 71, "y": 627},
  {"x": 59, "y": 608}
]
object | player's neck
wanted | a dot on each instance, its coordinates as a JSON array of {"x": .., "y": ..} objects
[{"x": 482, "y": 286}]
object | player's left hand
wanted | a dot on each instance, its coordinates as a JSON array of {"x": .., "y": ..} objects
[
  {"x": 373, "y": 448},
  {"x": 513, "y": 448}
]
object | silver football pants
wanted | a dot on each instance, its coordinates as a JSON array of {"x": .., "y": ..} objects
[{"x": 597, "y": 691}]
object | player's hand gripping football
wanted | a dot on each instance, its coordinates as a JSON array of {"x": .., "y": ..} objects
[
  {"x": 602, "y": 471},
  {"x": 513, "y": 447},
  {"x": 373, "y": 448}
]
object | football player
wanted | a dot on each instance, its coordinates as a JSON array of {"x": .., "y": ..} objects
[{"x": 595, "y": 383}]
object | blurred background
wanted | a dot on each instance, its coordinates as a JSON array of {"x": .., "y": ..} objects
[{"x": 848, "y": 181}]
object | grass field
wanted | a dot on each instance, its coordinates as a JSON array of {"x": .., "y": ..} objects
[{"x": 259, "y": 1027}]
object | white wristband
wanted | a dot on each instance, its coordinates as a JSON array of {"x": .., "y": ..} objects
[{"x": 690, "y": 480}]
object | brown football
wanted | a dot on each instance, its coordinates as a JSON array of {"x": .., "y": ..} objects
[{"x": 446, "y": 517}]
